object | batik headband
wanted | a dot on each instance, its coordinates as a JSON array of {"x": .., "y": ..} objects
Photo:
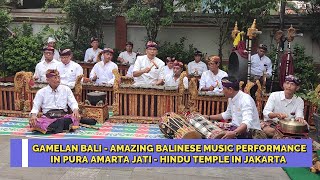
[
  {"x": 109, "y": 50},
  {"x": 293, "y": 79},
  {"x": 51, "y": 73},
  {"x": 66, "y": 52},
  {"x": 151, "y": 44},
  {"x": 226, "y": 83},
  {"x": 48, "y": 48},
  {"x": 214, "y": 59},
  {"x": 178, "y": 63}
]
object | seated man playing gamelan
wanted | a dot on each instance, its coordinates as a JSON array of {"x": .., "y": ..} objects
[
  {"x": 101, "y": 72},
  {"x": 48, "y": 63},
  {"x": 211, "y": 79},
  {"x": 54, "y": 100},
  {"x": 147, "y": 68},
  {"x": 168, "y": 69},
  {"x": 174, "y": 79},
  {"x": 283, "y": 105},
  {"x": 241, "y": 110},
  {"x": 91, "y": 54},
  {"x": 68, "y": 69}
]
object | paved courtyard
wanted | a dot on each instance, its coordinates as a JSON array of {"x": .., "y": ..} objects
[{"x": 7, "y": 173}]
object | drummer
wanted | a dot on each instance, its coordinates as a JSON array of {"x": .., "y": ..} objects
[
  {"x": 283, "y": 105},
  {"x": 197, "y": 67},
  {"x": 211, "y": 79},
  {"x": 147, "y": 68},
  {"x": 241, "y": 109}
]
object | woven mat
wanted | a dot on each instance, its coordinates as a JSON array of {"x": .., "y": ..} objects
[{"x": 20, "y": 127}]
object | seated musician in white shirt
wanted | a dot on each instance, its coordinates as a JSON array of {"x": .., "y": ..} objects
[
  {"x": 68, "y": 69},
  {"x": 174, "y": 79},
  {"x": 51, "y": 43},
  {"x": 43, "y": 66},
  {"x": 283, "y": 105},
  {"x": 197, "y": 67},
  {"x": 168, "y": 69},
  {"x": 128, "y": 57},
  {"x": 211, "y": 79},
  {"x": 147, "y": 68},
  {"x": 54, "y": 97},
  {"x": 241, "y": 110},
  {"x": 92, "y": 53},
  {"x": 101, "y": 72}
]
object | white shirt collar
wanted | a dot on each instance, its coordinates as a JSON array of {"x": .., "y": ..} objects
[
  {"x": 52, "y": 90},
  {"x": 283, "y": 97}
]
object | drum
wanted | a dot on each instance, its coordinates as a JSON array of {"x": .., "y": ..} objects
[
  {"x": 238, "y": 66},
  {"x": 174, "y": 126},
  {"x": 205, "y": 127}
]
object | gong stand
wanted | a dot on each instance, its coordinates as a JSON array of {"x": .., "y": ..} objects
[
  {"x": 279, "y": 36},
  {"x": 251, "y": 33}
]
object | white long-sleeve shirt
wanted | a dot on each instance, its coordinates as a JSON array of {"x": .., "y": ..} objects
[
  {"x": 209, "y": 79},
  {"x": 47, "y": 99},
  {"x": 42, "y": 67},
  {"x": 103, "y": 72},
  {"x": 257, "y": 65},
  {"x": 131, "y": 58},
  {"x": 56, "y": 56},
  {"x": 277, "y": 103},
  {"x": 170, "y": 81},
  {"x": 69, "y": 73},
  {"x": 90, "y": 53},
  {"x": 143, "y": 62},
  {"x": 242, "y": 109},
  {"x": 200, "y": 67},
  {"x": 165, "y": 71}
]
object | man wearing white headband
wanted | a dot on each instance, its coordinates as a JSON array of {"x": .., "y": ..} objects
[
  {"x": 51, "y": 43},
  {"x": 283, "y": 105}
]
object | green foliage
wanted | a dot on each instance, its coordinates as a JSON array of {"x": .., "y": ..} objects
[
  {"x": 313, "y": 97},
  {"x": 22, "y": 52},
  {"x": 5, "y": 20},
  {"x": 304, "y": 69},
  {"x": 176, "y": 50},
  {"x": 245, "y": 11},
  {"x": 85, "y": 18},
  {"x": 12, "y": 3},
  {"x": 116, "y": 55},
  {"x": 152, "y": 15},
  {"x": 226, "y": 12}
]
